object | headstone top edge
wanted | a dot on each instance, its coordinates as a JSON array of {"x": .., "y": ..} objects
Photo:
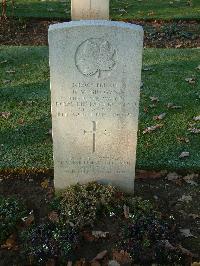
[{"x": 82, "y": 23}]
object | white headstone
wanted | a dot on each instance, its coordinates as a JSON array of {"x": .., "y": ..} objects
[
  {"x": 89, "y": 9},
  {"x": 95, "y": 87}
]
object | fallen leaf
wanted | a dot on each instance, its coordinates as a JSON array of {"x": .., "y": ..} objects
[
  {"x": 152, "y": 128},
  {"x": 154, "y": 99},
  {"x": 172, "y": 176},
  {"x": 184, "y": 154},
  {"x": 5, "y": 81},
  {"x": 194, "y": 216},
  {"x": 10, "y": 242},
  {"x": 122, "y": 257},
  {"x": 183, "y": 139},
  {"x": 100, "y": 234},
  {"x": 190, "y": 80},
  {"x": 21, "y": 121},
  {"x": 197, "y": 118},
  {"x": 100, "y": 255},
  {"x": 45, "y": 184},
  {"x": 113, "y": 263},
  {"x": 198, "y": 68},
  {"x": 5, "y": 115},
  {"x": 152, "y": 105},
  {"x": 123, "y": 10},
  {"x": 126, "y": 211},
  {"x": 168, "y": 245},
  {"x": 159, "y": 117},
  {"x": 191, "y": 182},
  {"x": 10, "y": 71},
  {"x": 4, "y": 61},
  {"x": 186, "y": 233},
  {"x": 185, "y": 198},
  {"x": 87, "y": 235},
  {"x": 190, "y": 2},
  {"x": 151, "y": 13},
  {"x": 53, "y": 216},
  {"x": 189, "y": 179},
  {"x": 30, "y": 102},
  {"x": 29, "y": 219},
  {"x": 173, "y": 106},
  {"x": 71, "y": 224},
  {"x": 193, "y": 124},
  {"x": 194, "y": 130}
]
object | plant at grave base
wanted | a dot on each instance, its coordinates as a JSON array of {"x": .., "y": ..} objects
[
  {"x": 171, "y": 30},
  {"x": 80, "y": 204},
  {"x": 49, "y": 240},
  {"x": 128, "y": 206},
  {"x": 145, "y": 238},
  {"x": 12, "y": 211},
  {"x": 138, "y": 207}
]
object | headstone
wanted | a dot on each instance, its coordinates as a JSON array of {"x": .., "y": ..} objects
[
  {"x": 90, "y": 9},
  {"x": 95, "y": 86}
]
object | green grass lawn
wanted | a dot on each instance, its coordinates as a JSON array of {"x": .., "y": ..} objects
[
  {"x": 120, "y": 10},
  {"x": 24, "y": 92}
]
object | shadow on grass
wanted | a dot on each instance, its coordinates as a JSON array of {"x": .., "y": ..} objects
[{"x": 39, "y": 91}]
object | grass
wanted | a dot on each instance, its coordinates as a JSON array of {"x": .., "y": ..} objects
[
  {"x": 120, "y": 10},
  {"x": 24, "y": 139}
]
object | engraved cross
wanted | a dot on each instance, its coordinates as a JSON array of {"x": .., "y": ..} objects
[
  {"x": 94, "y": 135},
  {"x": 93, "y": 131}
]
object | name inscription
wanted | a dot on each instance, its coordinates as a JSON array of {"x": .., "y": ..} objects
[{"x": 95, "y": 100}]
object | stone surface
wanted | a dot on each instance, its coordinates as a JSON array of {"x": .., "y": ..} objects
[
  {"x": 95, "y": 87},
  {"x": 89, "y": 9}
]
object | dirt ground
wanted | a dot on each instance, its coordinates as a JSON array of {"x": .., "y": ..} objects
[
  {"x": 158, "y": 34},
  {"x": 176, "y": 195}
]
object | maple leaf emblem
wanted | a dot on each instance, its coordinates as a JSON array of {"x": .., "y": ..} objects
[{"x": 94, "y": 56}]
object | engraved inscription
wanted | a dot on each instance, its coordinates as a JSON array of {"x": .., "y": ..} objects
[
  {"x": 95, "y": 99},
  {"x": 95, "y": 56},
  {"x": 103, "y": 164}
]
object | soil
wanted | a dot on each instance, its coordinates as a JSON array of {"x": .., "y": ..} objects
[
  {"x": 167, "y": 196},
  {"x": 158, "y": 34}
]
